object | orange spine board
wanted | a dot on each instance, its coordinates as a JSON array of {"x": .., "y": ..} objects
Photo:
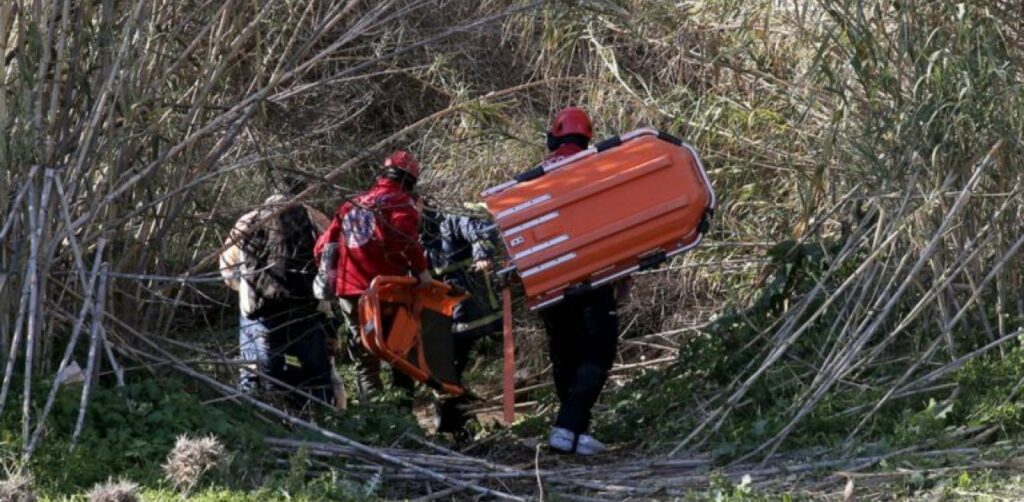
[{"x": 597, "y": 216}]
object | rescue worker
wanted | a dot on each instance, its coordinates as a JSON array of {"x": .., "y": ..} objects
[
  {"x": 583, "y": 328},
  {"x": 461, "y": 251},
  {"x": 375, "y": 233},
  {"x": 282, "y": 333}
]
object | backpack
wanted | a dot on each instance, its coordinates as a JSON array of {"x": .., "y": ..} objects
[
  {"x": 279, "y": 260},
  {"x": 358, "y": 224}
]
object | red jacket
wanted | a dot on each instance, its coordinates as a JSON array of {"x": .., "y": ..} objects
[
  {"x": 563, "y": 151},
  {"x": 377, "y": 233}
]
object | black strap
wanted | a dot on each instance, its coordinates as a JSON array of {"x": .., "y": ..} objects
[
  {"x": 664, "y": 136},
  {"x": 611, "y": 142},
  {"x": 652, "y": 260},
  {"x": 534, "y": 173}
]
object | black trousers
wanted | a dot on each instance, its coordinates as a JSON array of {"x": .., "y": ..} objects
[
  {"x": 583, "y": 332},
  {"x": 449, "y": 411},
  {"x": 297, "y": 350}
]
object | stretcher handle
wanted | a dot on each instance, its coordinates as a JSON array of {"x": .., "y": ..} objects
[{"x": 508, "y": 393}]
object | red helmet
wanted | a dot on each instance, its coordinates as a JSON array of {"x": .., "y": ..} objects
[
  {"x": 572, "y": 120},
  {"x": 403, "y": 161}
]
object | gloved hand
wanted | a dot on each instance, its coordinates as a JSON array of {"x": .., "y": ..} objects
[
  {"x": 424, "y": 279},
  {"x": 482, "y": 265}
]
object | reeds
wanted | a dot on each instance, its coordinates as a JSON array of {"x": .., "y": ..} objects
[{"x": 135, "y": 133}]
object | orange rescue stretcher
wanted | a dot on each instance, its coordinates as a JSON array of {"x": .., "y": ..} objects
[
  {"x": 411, "y": 329},
  {"x": 628, "y": 203}
]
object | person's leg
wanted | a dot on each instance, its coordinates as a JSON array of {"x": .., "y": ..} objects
[
  {"x": 561, "y": 326},
  {"x": 276, "y": 345},
  {"x": 450, "y": 411},
  {"x": 367, "y": 366},
  {"x": 600, "y": 323},
  {"x": 310, "y": 347},
  {"x": 252, "y": 342}
]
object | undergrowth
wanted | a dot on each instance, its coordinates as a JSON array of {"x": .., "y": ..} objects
[
  {"x": 661, "y": 407},
  {"x": 129, "y": 431}
]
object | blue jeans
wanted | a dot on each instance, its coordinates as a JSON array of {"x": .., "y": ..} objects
[{"x": 252, "y": 342}]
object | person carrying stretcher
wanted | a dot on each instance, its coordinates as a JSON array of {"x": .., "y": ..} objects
[
  {"x": 583, "y": 328},
  {"x": 461, "y": 250},
  {"x": 374, "y": 233}
]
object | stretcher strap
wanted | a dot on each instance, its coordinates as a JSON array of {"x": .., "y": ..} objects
[
  {"x": 509, "y": 384},
  {"x": 462, "y": 327}
]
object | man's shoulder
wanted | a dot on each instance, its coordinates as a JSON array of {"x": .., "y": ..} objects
[{"x": 393, "y": 198}]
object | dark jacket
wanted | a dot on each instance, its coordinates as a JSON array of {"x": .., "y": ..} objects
[{"x": 453, "y": 243}]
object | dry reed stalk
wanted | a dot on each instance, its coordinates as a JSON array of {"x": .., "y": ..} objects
[
  {"x": 844, "y": 364},
  {"x": 37, "y": 223},
  {"x": 26, "y": 293},
  {"x": 14, "y": 345},
  {"x": 92, "y": 367},
  {"x": 118, "y": 371},
  {"x": 717, "y": 418},
  {"x": 79, "y": 321},
  {"x": 12, "y": 216},
  {"x": 941, "y": 284},
  {"x": 372, "y": 452}
]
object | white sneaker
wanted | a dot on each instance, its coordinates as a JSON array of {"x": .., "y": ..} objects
[
  {"x": 587, "y": 445},
  {"x": 561, "y": 440},
  {"x": 565, "y": 441}
]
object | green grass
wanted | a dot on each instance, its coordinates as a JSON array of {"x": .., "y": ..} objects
[{"x": 129, "y": 432}]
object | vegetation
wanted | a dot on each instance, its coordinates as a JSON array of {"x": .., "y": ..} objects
[{"x": 861, "y": 294}]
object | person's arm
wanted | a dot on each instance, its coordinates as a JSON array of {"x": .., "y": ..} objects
[
  {"x": 330, "y": 231},
  {"x": 481, "y": 234},
  {"x": 484, "y": 238},
  {"x": 231, "y": 259}
]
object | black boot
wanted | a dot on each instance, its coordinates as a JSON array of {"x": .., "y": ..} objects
[{"x": 451, "y": 417}]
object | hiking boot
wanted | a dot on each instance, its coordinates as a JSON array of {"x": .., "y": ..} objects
[
  {"x": 451, "y": 418},
  {"x": 565, "y": 441}
]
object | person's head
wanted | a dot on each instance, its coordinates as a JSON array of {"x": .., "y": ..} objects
[
  {"x": 291, "y": 184},
  {"x": 284, "y": 182},
  {"x": 401, "y": 166},
  {"x": 571, "y": 125}
]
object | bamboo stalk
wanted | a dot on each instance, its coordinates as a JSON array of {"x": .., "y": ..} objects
[
  {"x": 87, "y": 305},
  {"x": 214, "y": 384},
  {"x": 37, "y": 222},
  {"x": 92, "y": 368},
  {"x": 12, "y": 354}
]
